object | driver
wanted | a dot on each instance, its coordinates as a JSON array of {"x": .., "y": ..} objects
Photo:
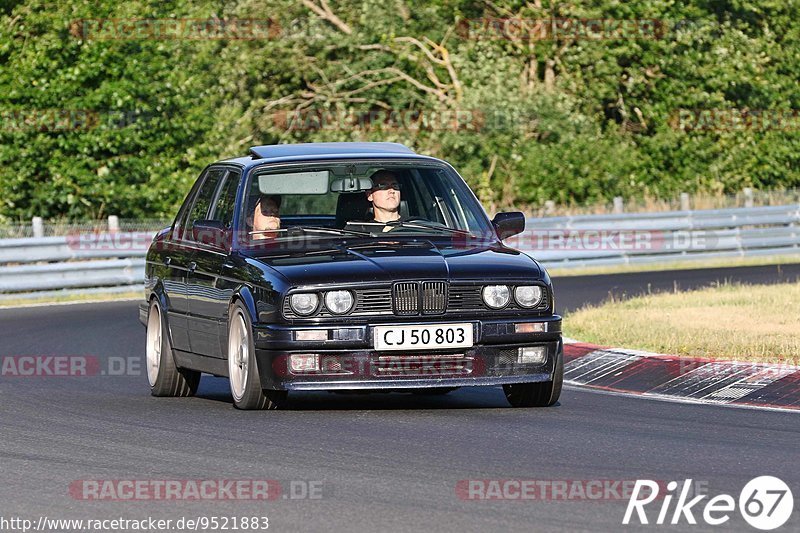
[{"x": 385, "y": 197}]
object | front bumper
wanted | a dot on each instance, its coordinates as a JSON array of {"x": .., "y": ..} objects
[{"x": 348, "y": 359}]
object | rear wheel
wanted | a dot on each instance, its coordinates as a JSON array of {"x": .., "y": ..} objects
[
  {"x": 543, "y": 394},
  {"x": 245, "y": 379},
  {"x": 164, "y": 377}
]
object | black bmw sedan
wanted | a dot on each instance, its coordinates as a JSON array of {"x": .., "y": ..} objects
[{"x": 345, "y": 266}]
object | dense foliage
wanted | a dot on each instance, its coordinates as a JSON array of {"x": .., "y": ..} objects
[{"x": 118, "y": 122}]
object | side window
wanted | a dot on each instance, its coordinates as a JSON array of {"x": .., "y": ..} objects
[
  {"x": 180, "y": 221},
  {"x": 226, "y": 200},
  {"x": 180, "y": 225},
  {"x": 204, "y": 198}
]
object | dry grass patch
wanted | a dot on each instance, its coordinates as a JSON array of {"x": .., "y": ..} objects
[{"x": 731, "y": 321}]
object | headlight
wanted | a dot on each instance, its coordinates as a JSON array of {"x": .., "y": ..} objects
[
  {"x": 528, "y": 295},
  {"x": 339, "y": 302},
  {"x": 304, "y": 303},
  {"x": 496, "y": 296}
]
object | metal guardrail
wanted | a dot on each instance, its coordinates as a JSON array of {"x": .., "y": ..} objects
[
  {"x": 72, "y": 247},
  {"x": 73, "y": 261},
  {"x": 641, "y": 238},
  {"x": 676, "y": 220},
  {"x": 117, "y": 258},
  {"x": 108, "y": 273}
]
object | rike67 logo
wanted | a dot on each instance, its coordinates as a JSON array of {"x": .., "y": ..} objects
[{"x": 765, "y": 503}]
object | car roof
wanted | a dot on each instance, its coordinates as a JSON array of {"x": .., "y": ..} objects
[{"x": 280, "y": 153}]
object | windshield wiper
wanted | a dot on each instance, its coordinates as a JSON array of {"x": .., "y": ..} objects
[
  {"x": 335, "y": 231},
  {"x": 422, "y": 224},
  {"x": 302, "y": 230}
]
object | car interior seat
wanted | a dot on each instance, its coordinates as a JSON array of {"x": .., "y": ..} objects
[{"x": 352, "y": 206}]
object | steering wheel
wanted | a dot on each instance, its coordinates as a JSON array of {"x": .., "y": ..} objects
[{"x": 409, "y": 219}]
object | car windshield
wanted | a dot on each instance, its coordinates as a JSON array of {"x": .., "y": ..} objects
[{"x": 365, "y": 199}]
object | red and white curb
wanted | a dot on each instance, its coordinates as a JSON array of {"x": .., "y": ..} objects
[{"x": 687, "y": 379}]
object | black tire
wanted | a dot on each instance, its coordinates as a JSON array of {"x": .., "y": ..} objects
[
  {"x": 543, "y": 394},
  {"x": 243, "y": 370},
  {"x": 165, "y": 378}
]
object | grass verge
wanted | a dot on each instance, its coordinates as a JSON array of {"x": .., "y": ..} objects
[
  {"x": 70, "y": 298},
  {"x": 728, "y": 262},
  {"x": 726, "y": 322}
]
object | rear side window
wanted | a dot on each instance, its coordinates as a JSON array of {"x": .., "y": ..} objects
[
  {"x": 205, "y": 196},
  {"x": 226, "y": 200}
]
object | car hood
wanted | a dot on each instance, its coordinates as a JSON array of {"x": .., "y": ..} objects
[{"x": 390, "y": 260}]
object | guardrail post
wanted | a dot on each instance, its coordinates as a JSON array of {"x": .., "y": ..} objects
[
  {"x": 748, "y": 197},
  {"x": 38, "y": 227},
  {"x": 113, "y": 223},
  {"x": 619, "y": 205},
  {"x": 685, "y": 201}
]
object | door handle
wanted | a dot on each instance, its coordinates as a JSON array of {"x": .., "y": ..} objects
[
  {"x": 192, "y": 266},
  {"x": 228, "y": 264}
]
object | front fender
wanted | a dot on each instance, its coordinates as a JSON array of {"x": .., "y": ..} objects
[{"x": 244, "y": 294}]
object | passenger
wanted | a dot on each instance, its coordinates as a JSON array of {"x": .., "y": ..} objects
[{"x": 266, "y": 216}]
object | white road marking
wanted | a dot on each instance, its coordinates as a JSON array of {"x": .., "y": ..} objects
[{"x": 734, "y": 379}]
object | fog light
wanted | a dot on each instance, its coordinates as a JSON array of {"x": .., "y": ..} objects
[
  {"x": 311, "y": 335},
  {"x": 530, "y": 327},
  {"x": 304, "y": 362},
  {"x": 331, "y": 364},
  {"x": 532, "y": 355}
]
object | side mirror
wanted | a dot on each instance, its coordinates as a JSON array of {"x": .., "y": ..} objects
[
  {"x": 212, "y": 233},
  {"x": 508, "y": 224}
]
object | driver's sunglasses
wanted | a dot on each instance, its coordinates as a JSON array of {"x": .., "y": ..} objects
[{"x": 386, "y": 186}]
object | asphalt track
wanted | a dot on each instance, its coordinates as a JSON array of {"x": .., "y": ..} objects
[{"x": 385, "y": 462}]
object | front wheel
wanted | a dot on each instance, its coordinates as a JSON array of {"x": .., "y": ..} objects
[
  {"x": 543, "y": 394},
  {"x": 242, "y": 366},
  {"x": 165, "y": 378}
]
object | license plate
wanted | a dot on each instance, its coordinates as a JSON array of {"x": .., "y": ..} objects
[{"x": 436, "y": 337}]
